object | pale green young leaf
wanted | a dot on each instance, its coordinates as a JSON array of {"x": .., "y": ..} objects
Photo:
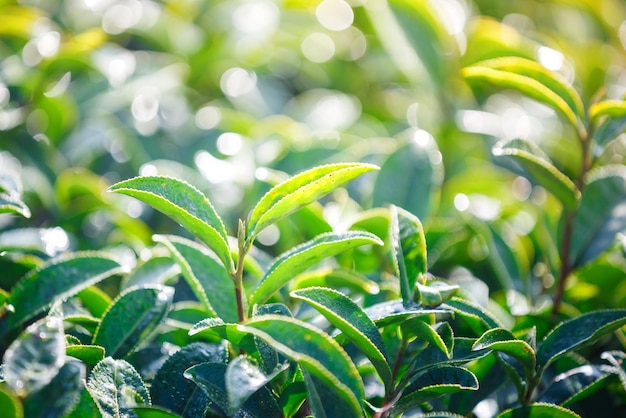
[
  {"x": 300, "y": 190},
  {"x": 575, "y": 333},
  {"x": 132, "y": 318},
  {"x": 12, "y": 204},
  {"x": 420, "y": 329},
  {"x": 298, "y": 259},
  {"x": 10, "y": 405},
  {"x": 611, "y": 108},
  {"x": 539, "y": 410},
  {"x": 543, "y": 172},
  {"x": 408, "y": 250},
  {"x": 522, "y": 84},
  {"x": 350, "y": 319},
  {"x": 315, "y": 351},
  {"x": 35, "y": 357},
  {"x": 89, "y": 354},
  {"x": 116, "y": 387},
  {"x": 434, "y": 383},
  {"x": 552, "y": 80},
  {"x": 58, "y": 279},
  {"x": 153, "y": 412},
  {"x": 502, "y": 340},
  {"x": 186, "y": 205},
  {"x": 207, "y": 278}
]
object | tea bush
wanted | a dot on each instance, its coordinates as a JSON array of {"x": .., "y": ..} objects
[{"x": 331, "y": 209}]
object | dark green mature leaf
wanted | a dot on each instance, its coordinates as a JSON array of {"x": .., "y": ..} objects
[
  {"x": 244, "y": 376},
  {"x": 552, "y": 80},
  {"x": 395, "y": 311},
  {"x": 434, "y": 383},
  {"x": 60, "y": 396},
  {"x": 211, "y": 378},
  {"x": 171, "y": 390},
  {"x": 324, "y": 401},
  {"x": 298, "y": 259},
  {"x": 10, "y": 405},
  {"x": 462, "y": 353},
  {"x": 86, "y": 406},
  {"x": 576, "y": 333},
  {"x": 116, "y": 387},
  {"x": 12, "y": 204},
  {"x": 58, "y": 279},
  {"x": 299, "y": 191},
  {"x": 575, "y": 384},
  {"x": 90, "y": 354},
  {"x": 36, "y": 357},
  {"x": 206, "y": 276},
  {"x": 408, "y": 250},
  {"x": 186, "y": 205},
  {"x": 477, "y": 317},
  {"x": 523, "y": 84},
  {"x": 542, "y": 171},
  {"x": 350, "y": 319},
  {"x": 611, "y": 108},
  {"x": 132, "y": 318},
  {"x": 601, "y": 215},
  {"x": 539, "y": 410},
  {"x": 314, "y": 350},
  {"x": 411, "y": 178},
  {"x": 503, "y": 340}
]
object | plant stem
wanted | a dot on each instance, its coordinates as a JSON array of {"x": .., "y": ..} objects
[
  {"x": 391, "y": 398},
  {"x": 240, "y": 293}
]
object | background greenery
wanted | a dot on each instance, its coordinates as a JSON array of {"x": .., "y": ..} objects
[{"x": 235, "y": 96}]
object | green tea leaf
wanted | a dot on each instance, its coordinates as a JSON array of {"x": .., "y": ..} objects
[
  {"x": 575, "y": 384},
  {"x": 411, "y": 177},
  {"x": 11, "y": 204},
  {"x": 395, "y": 311},
  {"x": 434, "y": 383},
  {"x": 299, "y": 191},
  {"x": 186, "y": 205},
  {"x": 116, "y": 387},
  {"x": 206, "y": 276},
  {"x": 611, "y": 108},
  {"x": 543, "y": 172},
  {"x": 502, "y": 340},
  {"x": 132, "y": 318},
  {"x": 479, "y": 319},
  {"x": 324, "y": 400},
  {"x": 35, "y": 358},
  {"x": 86, "y": 406},
  {"x": 95, "y": 300},
  {"x": 539, "y": 410},
  {"x": 10, "y": 405},
  {"x": 298, "y": 259},
  {"x": 58, "y": 279},
  {"x": 211, "y": 378},
  {"x": 577, "y": 332},
  {"x": 171, "y": 390},
  {"x": 552, "y": 80},
  {"x": 58, "y": 397},
  {"x": 89, "y": 354},
  {"x": 601, "y": 214},
  {"x": 350, "y": 319},
  {"x": 243, "y": 378},
  {"x": 335, "y": 278},
  {"x": 314, "y": 350},
  {"x": 522, "y": 84},
  {"x": 156, "y": 270},
  {"x": 153, "y": 412},
  {"x": 420, "y": 329},
  {"x": 409, "y": 250}
]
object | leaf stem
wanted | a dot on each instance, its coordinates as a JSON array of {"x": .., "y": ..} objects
[{"x": 240, "y": 293}]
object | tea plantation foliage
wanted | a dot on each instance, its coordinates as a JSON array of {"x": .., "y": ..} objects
[{"x": 287, "y": 208}]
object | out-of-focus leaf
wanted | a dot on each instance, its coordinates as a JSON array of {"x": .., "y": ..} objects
[
  {"x": 350, "y": 319},
  {"x": 325, "y": 401},
  {"x": 526, "y": 85},
  {"x": 543, "y": 172},
  {"x": 434, "y": 383},
  {"x": 116, "y": 387},
  {"x": 12, "y": 204},
  {"x": 35, "y": 358},
  {"x": 153, "y": 412},
  {"x": 411, "y": 178},
  {"x": 171, "y": 390},
  {"x": 539, "y": 410},
  {"x": 58, "y": 279},
  {"x": 479, "y": 319},
  {"x": 86, "y": 407},
  {"x": 575, "y": 384},
  {"x": 300, "y": 190},
  {"x": 409, "y": 250},
  {"x": 298, "y": 259},
  {"x": 10, "y": 405},
  {"x": 206, "y": 276},
  {"x": 243, "y": 378},
  {"x": 601, "y": 215},
  {"x": 395, "y": 311},
  {"x": 156, "y": 270},
  {"x": 58, "y": 397},
  {"x": 611, "y": 108},
  {"x": 132, "y": 318},
  {"x": 502, "y": 340},
  {"x": 186, "y": 205},
  {"x": 577, "y": 332},
  {"x": 335, "y": 278}
]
